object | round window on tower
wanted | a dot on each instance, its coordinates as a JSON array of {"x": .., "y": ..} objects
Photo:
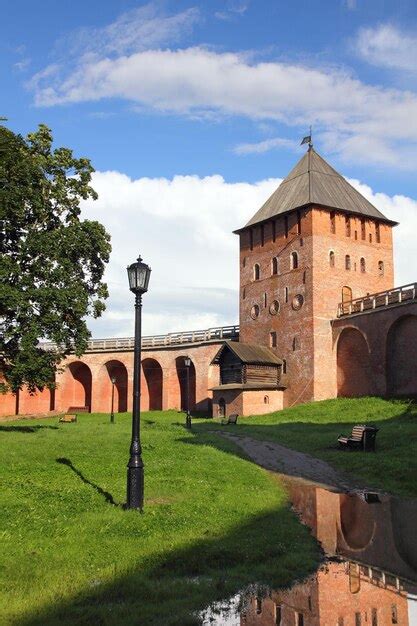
[
  {"x": 254, "y": 312},
  {"x": 274, "y": 307},
  {"x": 297, "y": 302}
]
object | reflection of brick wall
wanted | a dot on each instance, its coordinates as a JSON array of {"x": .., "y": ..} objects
[
  {"x": 326, "y": 598},
  {"x": 311, "y": 366}
]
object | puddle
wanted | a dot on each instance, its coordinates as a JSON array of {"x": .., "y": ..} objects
[{"x": 368, "y": 579}]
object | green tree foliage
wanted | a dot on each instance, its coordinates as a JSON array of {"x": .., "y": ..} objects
[{"x": 52, "y": 261}]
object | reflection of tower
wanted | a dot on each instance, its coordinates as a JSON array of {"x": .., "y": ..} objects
[{"x": 314, "y": 242}]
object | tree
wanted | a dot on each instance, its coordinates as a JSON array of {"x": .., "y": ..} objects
[{"x": 52, "y": 261}]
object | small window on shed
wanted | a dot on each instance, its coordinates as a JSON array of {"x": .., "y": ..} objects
[
  {"x": 294, "y": 260},
  {"x": 256, "y": 272},
  {"x": 266, "y": 399},
  {"x": 363, "y": 265},
  {"x": 273, "y": 339},
  {"x": 331, "y": 258},
  {"x": 381, "y": 268},
  {"x": 348, "y": 264},
  {"x": 274, "y": 265},
  {"x": 332, "y": 222}
]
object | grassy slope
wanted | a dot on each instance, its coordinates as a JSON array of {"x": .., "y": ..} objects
[
  {"x": 314, "y": 428},
  {"x": 213, "y": 523}
]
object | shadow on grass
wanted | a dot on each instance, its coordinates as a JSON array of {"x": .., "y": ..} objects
[
  {"x": 171, "y": 588},
  {"x": 107, "y": 496},
  {"x": 25, "y": 429}
]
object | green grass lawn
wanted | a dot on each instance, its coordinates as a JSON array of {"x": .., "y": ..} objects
[
  {"x": 213, "y": 523},
  {"x": 314, "y": 428}
]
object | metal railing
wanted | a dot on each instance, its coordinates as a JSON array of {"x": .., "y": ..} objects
[
  {"x": 160, "y": 341},
  {"x": 406, "y": 293}
]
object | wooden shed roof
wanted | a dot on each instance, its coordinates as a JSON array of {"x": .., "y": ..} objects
[
  {"x": 248, "y": 354},
  {"x": 314, "y": 182}
]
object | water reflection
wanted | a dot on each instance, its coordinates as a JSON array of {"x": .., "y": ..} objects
[{"x": 369, "y": 577}]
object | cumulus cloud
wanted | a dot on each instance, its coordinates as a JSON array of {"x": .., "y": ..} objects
[
  {"x": 387, "y": 46},
  {"x": 197, "y": 81},
  {"x": 183, "y": 228}
]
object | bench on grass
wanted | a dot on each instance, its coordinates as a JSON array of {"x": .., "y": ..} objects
[
  {"x": 232, "y": 419},
  {"x": 68, "y": 417},
  {"x": 362, "y": 438}
]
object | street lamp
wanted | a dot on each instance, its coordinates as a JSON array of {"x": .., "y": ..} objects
[
  {"x": 113, "y": 380},
  {"x": 187, "y": 363},
  {"x": 138, "y": 275}
]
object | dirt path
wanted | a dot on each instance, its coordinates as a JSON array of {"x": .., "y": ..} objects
[{"x": 292, "y": 464}]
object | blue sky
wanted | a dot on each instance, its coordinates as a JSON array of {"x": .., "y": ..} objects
[{"x": 188, "y": 110}]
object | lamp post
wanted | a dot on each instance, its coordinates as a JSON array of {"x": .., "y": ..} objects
[
  {"x": 138, "y": 274},
  {"x": 187, "y": 363},
  {"x": 113, "y": 380}
]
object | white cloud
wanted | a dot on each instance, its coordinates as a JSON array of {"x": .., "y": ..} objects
[
  {"x": 264, "y": 146},
  {"x": 183, "y": 229},
  {"x": 197, "y": 81},
  {"x": 387, "y": 46}
]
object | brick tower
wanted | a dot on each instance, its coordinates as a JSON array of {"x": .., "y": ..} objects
[{"x": 315, "y": 243}]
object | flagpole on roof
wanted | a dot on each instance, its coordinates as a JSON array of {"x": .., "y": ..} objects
[{"x": 308, "y": 139}]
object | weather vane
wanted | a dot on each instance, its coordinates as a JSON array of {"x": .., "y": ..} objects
[{"x": 308, "y": 139}]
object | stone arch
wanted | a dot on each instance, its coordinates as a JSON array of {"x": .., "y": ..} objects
[
  {"x": 80, "y": 385},
  {"x": 357, "y": 522},
  {"x": 117, "y": 369},
  {"x": 152, "y": 372},
  {"x": 353, "y": 364},
  {"x": 182, "y": 380},
  {"x": 400, "y": 357}
]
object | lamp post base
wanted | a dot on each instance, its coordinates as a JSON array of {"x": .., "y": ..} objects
[{"x": 135, "y": 484}]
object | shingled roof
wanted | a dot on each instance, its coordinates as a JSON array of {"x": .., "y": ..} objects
[
  {"x": 314, "y": 181},
  {"x": 248, "y": 354}
]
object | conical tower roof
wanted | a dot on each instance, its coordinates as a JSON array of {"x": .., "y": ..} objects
[{"x": 314, "y": 182}]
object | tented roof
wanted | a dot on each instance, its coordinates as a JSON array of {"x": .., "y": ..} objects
[{"x": 314, "y": 182}]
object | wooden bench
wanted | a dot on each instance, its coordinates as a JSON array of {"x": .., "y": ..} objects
[
  {"x": 362, "y": 438},
  {"x": 68, "y": 417},
  {"x": 232, "y": 419}
]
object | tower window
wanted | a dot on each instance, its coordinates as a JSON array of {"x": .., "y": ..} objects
[
  {"x": 298, "y": 223},
  {"x": 274, "y": 264},
  {"x": 286, "y": 226},
  {"x": 273, "y": 339},
  {"x": 243, "y": 293},
  {"x": 254, "y": 312},
  {"x": 256, "y": 272},
  {"x": 286, "y": 294},
  {"x": 347, "y": 226},
  {"x": 251, "y": 239},
  {"x": 377, "y": 233},
  {"x": 331, "y": 258},
  {"x": 265, "y": 299},
  {"x": 296, "y": 343},
  {"x": 381, "y": 268},
  {"x": 284, "y": 366},
  {"x": 363, "y": 265},
  {"x": 347, "y": 262},
  {"x": 332, "y": 222},
  {"x": 294, "y": 260},
  {"x": 363, "y": 229},
  {"x": 244, "y": 262}
]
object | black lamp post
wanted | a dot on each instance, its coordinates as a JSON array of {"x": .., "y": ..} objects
[
  {"x": 187, "y": 363},
  {"x": 113, "y": 380},
  {"x": 138, "y": 274}
]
